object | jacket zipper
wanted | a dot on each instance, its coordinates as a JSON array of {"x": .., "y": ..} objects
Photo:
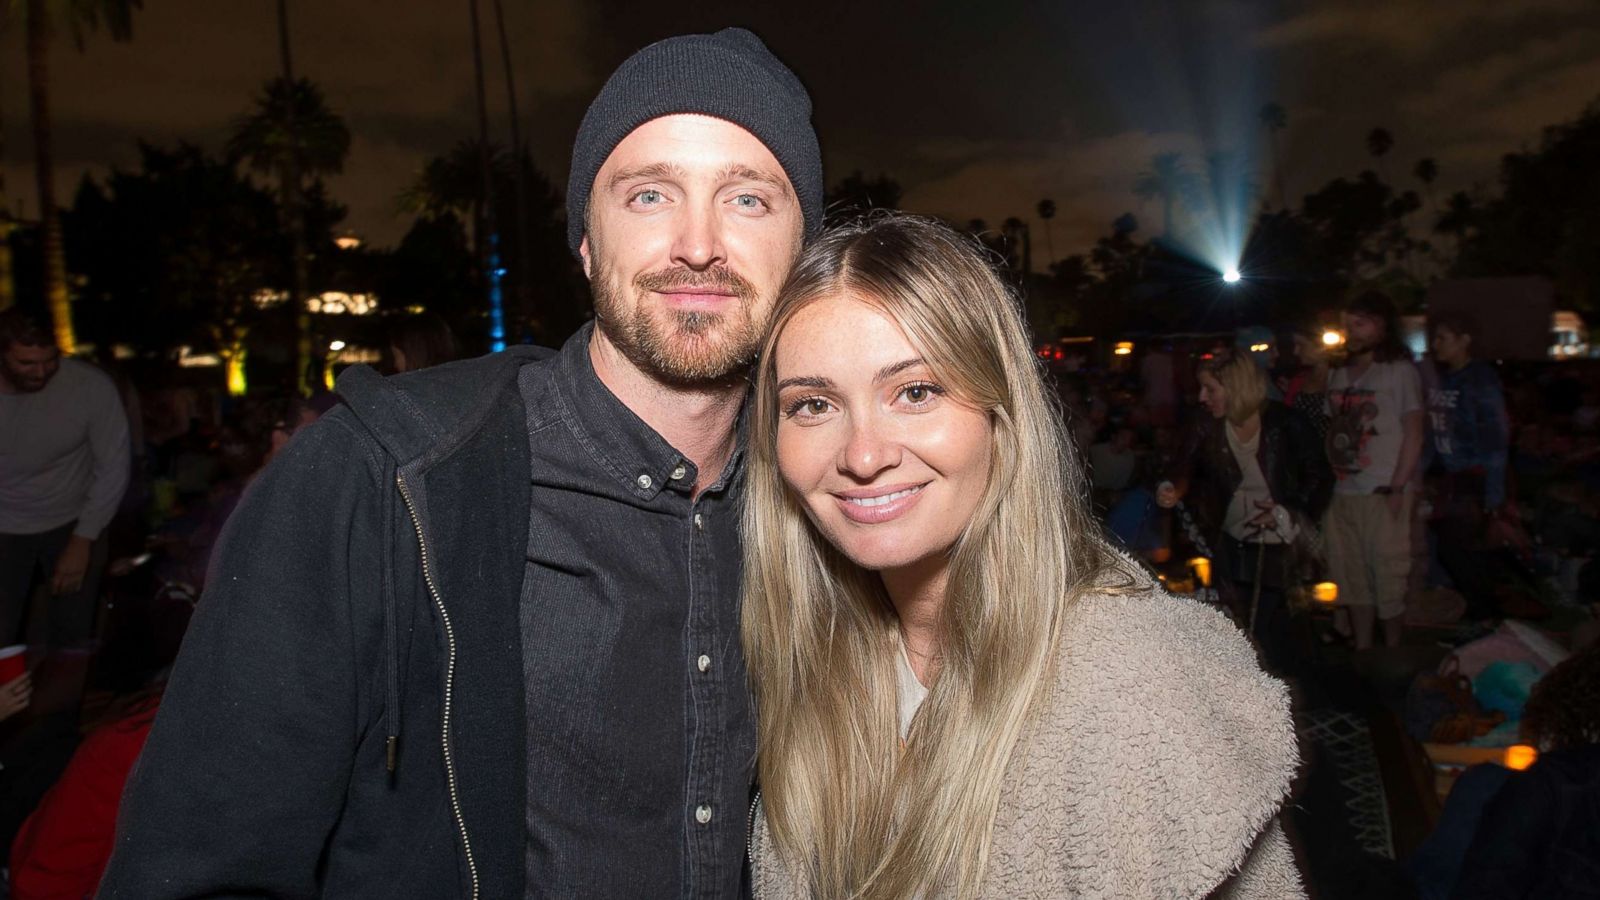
[
  {"x": 750, "y": 838},
  {"x": 449, "y": 682}
]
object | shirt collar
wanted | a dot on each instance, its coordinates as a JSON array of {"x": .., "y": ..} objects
[{"x": 631, "y": 450}]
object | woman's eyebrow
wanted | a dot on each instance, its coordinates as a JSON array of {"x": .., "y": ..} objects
[
  {"x": 894, "y": 369},
  {"x": 810, "y": 381}
]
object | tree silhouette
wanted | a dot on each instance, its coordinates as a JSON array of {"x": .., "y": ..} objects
[
  {"x": 1379, "y": 143},
  {"x": 1166, "y": 179},
  {"x": 1275, "y": 119},
  {"x": 857, "y": 194},
  {"x": 177, "y": 253},
  {"x": 1458, "y": 218},
  {"x": 1543, "y": 222},
  {"x": 1047, "y": 211},
  {"x": 1018, "y": 246},
  {"x": 41, "y": 19},
  {"x": 291, "y": 134},
  {"x": 1427, "y": 171},
  {"x": 450, "y": 186},
  {"x": 519, "y": 184}
]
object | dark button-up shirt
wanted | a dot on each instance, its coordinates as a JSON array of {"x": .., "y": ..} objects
[{"x": 641, "y": 734}]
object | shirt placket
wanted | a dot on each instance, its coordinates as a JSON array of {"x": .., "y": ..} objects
[{"x": 706, "y": 818}]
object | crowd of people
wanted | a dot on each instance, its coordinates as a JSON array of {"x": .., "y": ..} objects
[{"x": 114, "y": 490}]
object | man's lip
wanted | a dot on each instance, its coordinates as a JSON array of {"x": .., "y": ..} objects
[{"x": 699, "y": 292}]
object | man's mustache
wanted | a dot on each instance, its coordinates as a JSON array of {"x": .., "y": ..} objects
[{"x": 717, "y": 278}]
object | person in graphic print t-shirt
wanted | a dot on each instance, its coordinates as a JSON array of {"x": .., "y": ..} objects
[{"x": 1375, "y": 432}]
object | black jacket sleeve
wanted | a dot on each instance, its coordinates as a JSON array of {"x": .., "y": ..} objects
[
  {"x": 246, "y": 769},
  {"x": 1307, "y": 458}
]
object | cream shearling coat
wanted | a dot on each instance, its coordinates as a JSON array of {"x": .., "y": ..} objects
[{"x": 1157, "y": 769}]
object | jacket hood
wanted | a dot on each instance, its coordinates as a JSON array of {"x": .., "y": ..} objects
[{"x": 421, "y": 413}]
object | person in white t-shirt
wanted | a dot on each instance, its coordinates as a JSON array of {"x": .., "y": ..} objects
[{"x": 1375, "y": 433}]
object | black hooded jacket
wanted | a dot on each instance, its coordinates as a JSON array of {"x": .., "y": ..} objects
[{"x": 347, "y": 717}]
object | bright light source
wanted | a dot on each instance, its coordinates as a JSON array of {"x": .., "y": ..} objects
[
  {"x": 336, "y": 346},
  {"x": 1331, "y": 338},
  {"x": 1326, "y": 592},
  {"x": 1231, "y": 276},
  {"x": 1123, "y": 348},
  {"x": 1260, "y": 348},
  {"x": 1521, "y": 756}
]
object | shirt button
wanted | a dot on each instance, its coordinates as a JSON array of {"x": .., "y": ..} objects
[
  {"x": 645, "y": 481},
  {"x": 702, "y": 814},
  {"x": 699, "y": 523},
  {"x": 704, "y": 662},
  {"x": 678, "y": 473}
]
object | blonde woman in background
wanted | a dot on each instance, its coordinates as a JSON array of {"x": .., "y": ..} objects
[{"x": 963, "y": 690}]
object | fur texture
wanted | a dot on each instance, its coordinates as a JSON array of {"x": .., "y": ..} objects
[{"x": 1157, "y": 767}]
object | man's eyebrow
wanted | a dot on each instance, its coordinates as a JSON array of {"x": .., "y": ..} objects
[
  {"x": 811, "y": 381},
  {"x": 746, "y": 173},
  {"x": 894, "y": 369},
  {"x": 661, "y": 170}
]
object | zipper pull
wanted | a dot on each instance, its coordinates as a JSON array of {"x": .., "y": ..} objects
[{"x": 393, "y": 744}]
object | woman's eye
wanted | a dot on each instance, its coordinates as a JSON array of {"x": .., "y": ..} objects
[
  {"x": 920, "y": 394},
  {"x": 808, "y": 407}
]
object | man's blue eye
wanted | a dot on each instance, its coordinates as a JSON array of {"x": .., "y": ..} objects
[{"x": 649, "y": 197}]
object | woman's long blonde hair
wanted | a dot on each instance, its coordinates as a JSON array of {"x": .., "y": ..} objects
[{"x": 852, "y": 812}]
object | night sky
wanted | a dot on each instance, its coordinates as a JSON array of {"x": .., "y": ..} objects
[{"x": 978, "y": 109}]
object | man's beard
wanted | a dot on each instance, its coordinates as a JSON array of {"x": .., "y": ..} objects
[
  {"x": 25, "y": 384},
  {"x": 679, "y": 347}
]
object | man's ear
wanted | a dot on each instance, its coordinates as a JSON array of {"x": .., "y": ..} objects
[{"x": 588, "y": 264}]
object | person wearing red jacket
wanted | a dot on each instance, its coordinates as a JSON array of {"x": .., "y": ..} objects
[{"x": 63, "y": 847}]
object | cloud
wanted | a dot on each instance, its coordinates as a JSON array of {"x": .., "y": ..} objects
[
  {"x": 1501, "y": 102},
  {"x": 1405, "y": 26},
  {"x": 400, "y": 73},
  {"x": 1090, "y": 179}
]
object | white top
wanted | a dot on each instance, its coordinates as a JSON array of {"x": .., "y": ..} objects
[
  {"x": 912, "y": 693},
  {"x": 63, "y": 453},
  {"x": 1366, "y": 426},
  {"x": 1253, "y": 489}
]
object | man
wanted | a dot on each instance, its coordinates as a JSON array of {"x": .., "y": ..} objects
[
  {"x": 1374, "y": 441},
  {"x": 475, "y": 633},
  {"x": 1470, "y": 438},
  {"x": 64, "y": 464}
]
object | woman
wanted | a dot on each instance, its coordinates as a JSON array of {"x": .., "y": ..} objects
[
  {"x": 1258, "y": 478},
  {"x": 1307, "y": 389},
  {"x": 962, "y": 690}
]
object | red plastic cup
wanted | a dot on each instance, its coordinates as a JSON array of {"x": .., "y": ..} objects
[{"x": 13, "y": 662}]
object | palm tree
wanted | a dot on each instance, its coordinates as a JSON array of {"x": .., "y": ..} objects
[
  {"x": 1379, "y": 143},
  {"x": 292, "y": 134},
  {"x": 1427, "y": 171},
  {"x": 1460, "y": 216},
  {"x": 489, "y": 239},
  {"x": 1047, "y": 211},
  {"x": 452, "y": 184},
  {"x": 519, "y": 183},
  {"x": 1275, "y": 119},
  {"x": 1019, "y": 246},
  {"x": 1165, "y": 179},
  {"x": 41, "y": 18}
]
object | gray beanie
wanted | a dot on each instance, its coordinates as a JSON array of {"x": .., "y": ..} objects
[{"x": 730, "y": 75}]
